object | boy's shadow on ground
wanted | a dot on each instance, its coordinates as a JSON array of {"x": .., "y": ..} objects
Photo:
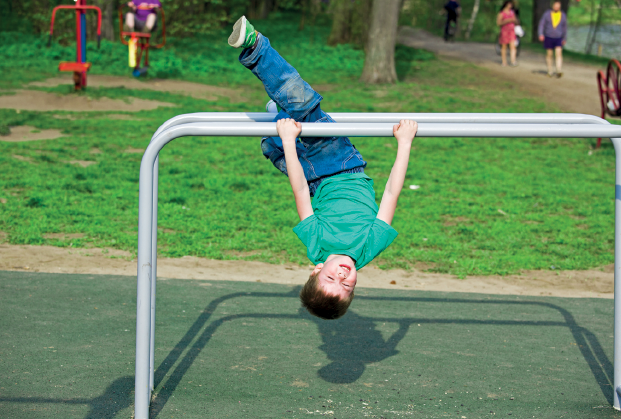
[
  {"x": 352, "y": 342},
  {"x": 115, "y": 398}
]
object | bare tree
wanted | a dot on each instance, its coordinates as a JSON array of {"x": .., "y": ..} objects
[
  {"x": 594, "y": 27},
  {"x": 350, "y": 21},
  {"x": 379, "y": 63},
  {"x": 473, "y": 17},
  {"x": 108, "y": 10},
  {"x": 341, "y": 11},
  {"x": 260, "y": 9},
  {"x": 314, "y": 8}
]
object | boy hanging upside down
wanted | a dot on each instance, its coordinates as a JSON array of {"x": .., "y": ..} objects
[{"x": 342, "y": 227}]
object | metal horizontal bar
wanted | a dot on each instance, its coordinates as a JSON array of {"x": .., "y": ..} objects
[
  {"x": 263, "y": 129},
  {"x": 351, "y": 125},
  {"x": 444, "y": 118}
]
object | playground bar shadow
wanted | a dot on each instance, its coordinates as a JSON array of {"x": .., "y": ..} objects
[{"x": 247, "y": 350}]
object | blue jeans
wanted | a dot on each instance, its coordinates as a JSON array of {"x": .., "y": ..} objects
[{"x": 320, "y": 157}]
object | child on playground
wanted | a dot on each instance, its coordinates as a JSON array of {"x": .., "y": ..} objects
[{"x": 342, "y": 227}]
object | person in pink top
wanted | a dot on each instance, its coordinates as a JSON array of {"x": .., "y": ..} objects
[
  {"x": 142, "y": 18},
  {"x": 507, "y": 20}
]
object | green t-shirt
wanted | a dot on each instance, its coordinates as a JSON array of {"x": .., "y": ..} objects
[{"x": 345, "y": 221}]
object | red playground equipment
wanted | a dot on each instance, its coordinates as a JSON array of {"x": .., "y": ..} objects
[
  {"x": 80, "y": 66},
  {"x": 609, "y": 95},
  {"x": 140, "y": 42}
]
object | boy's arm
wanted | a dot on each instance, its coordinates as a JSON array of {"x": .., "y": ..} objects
[
  {"x": 404, "y": 133},
  {"x": 288, "y": 130}
]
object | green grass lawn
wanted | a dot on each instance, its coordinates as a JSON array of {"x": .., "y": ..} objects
[
  {"x": 485, "y": 206},
  {"x": 247, "y": 350}
]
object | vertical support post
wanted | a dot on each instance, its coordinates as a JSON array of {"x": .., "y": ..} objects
[
  {"x": 78, "y": 35},
  {"x": 153, "y": 273},
  {"x": 83, "y": 41},
  {"x": 147, "y": 226},
  {"x": 617, "y": 272},
  {"x": 142, "y": 396}
]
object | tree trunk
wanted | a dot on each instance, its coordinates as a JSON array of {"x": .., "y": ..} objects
[
  {"x": 539, "y": 8},
  {"x": 341, "y": 11},
  {"x": 594, "y": 28},
  {"x": 473, "y": 17},
  {"x": 260, "y": 9},
  {"x": 361, "y": 20},
  {"x": 107, "y": 20},
  {"x": 304, "y": 7},
  {"x": 379, "y": 63}
]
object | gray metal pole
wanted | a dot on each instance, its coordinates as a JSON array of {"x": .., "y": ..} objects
[
  {"x": 153, "y": 274},
  {"x": 341, "y": 117},
  {"x": 477, "y": 130},
  {"x": 617, "y": 325},
  {"x": 143, "y": 293},
  {"x": 147, "y": 244}
]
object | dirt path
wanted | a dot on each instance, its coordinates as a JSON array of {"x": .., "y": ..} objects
[
  {"x": 576, "y": 91},
  {"x": 35, "y": 100},
  {"x": 196, "y": 90},
  {"x": 582, "y": 284},
  {"x": 28, "y": 133}
]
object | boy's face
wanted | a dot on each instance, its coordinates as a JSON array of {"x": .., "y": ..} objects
[
  {"x": 556, "y": 6},
  {"x": 337, "y": 276}
]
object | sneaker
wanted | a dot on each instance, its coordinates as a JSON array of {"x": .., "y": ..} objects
[
  {"x": 271, "y": 107},
  {"x": 559, "y": 75},
  {"x": 243, "y": 35}
]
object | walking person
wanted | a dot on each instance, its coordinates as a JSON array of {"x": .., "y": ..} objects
[
  {"x": 453, "y": 10},
  {"x": 553, "y": 33},
  {"x": 507, "y": 20}
]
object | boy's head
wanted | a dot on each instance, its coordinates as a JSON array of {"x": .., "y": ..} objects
[
  {"x": 330, "y": 287},
  {"x": 556, "y": 6}
]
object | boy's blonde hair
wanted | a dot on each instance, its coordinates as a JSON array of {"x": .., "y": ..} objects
[{"x": 318, "y": 303}]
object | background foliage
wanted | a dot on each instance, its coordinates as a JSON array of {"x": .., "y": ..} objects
[
  {"x": 198, "y": 17},
  {"x": 183, "y": 18}
]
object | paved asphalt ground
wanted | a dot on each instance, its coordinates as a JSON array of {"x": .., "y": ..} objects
[{"x": 246, "y": 350}]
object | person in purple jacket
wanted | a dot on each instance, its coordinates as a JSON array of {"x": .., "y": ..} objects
[
  {"x": 142, "y": 18},
  {"x": 553, "y": 34}
]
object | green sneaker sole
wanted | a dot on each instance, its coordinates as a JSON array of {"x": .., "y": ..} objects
[{"x": 243, "y": 35}]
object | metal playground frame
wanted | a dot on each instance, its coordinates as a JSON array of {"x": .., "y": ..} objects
[{"x": 230, "y": 124}]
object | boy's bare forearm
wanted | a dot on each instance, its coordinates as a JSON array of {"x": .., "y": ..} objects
[
  {"x": 404, "y": 133},
  {"x": 298, "y": 183},
  {"x": 399, "y": 170},
  {"x": 294, "y": 170},
  {"x": 394, "y": 184},
  {"x": 289, "y": 130}
]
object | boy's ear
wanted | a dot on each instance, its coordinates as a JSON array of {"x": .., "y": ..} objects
[{"x": 317, "y": 268}]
